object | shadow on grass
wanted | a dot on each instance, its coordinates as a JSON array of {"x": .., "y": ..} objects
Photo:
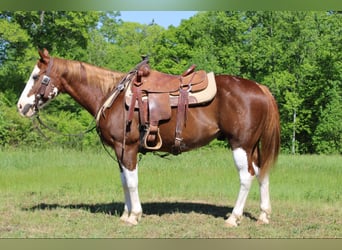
[{"x": 149, "y": 208}]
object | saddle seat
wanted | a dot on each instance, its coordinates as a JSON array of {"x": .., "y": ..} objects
[{"x": 158, "y": 82}]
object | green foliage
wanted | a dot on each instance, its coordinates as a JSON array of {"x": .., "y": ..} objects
[
  {"x": 328, "y": 134},
  {"x": 14, "y": 130},
  {"x": 296, "y": 54}
]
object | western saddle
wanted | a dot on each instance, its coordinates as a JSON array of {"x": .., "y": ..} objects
[{"x": 154, "y": 94}]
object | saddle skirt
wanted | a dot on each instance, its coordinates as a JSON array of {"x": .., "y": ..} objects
[{"x": 197, "y": 94}]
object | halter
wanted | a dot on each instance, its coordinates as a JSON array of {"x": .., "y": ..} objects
[{"x": 44, "y": 83}]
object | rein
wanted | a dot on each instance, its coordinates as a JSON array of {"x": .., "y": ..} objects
[{"x": 81, "y": 134}]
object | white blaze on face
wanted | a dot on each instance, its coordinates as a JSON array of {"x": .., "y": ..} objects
[{"x": 26, "y": 103}]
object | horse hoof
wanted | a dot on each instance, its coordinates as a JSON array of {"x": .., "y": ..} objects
[
  {"x": 131, "y": 222},
  {"x": 263, "y": 219},
  {"x": 233, "y": 221},
  {"x": 124, "y": 217},
  {"x": 230, "y": 225},
  {"x": 260, "y": 222},
  {"x": 132, "y": 219}
]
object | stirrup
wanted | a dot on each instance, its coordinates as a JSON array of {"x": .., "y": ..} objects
[{"x": 153, "y": 138}]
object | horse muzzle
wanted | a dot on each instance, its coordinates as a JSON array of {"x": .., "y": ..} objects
[{"x": 27, "y": 110}]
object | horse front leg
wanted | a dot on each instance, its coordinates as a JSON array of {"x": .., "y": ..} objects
[
  {"x": 132, "y": 209},
  {"x": 246, "y": 179}
]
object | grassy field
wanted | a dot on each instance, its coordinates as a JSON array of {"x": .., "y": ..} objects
[{"x": 68, "y": 194}]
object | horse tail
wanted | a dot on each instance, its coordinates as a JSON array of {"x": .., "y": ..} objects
[{"x": 270, "y": 137}]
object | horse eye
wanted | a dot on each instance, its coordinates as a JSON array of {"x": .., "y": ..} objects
[{"x": 35, "y": 77}]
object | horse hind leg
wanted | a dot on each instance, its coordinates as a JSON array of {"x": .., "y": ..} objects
[
  {"x": 246, "y": 178},
  {"x": 265, "y": 203},
  {"x": 132, "y": 209}
]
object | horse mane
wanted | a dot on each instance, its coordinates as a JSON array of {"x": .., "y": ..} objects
[{"x": 78, "y": 71}]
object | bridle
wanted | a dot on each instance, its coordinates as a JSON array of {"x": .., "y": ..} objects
[{"x": 42, "y": 94}]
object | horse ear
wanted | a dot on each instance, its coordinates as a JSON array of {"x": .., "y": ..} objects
[{"x": 44, "y": 55}]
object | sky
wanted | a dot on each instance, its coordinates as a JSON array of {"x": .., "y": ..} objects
[{"x": 162, "y": 18}]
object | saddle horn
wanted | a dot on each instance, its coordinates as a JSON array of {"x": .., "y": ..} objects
[{"x": 190, "y": 70}]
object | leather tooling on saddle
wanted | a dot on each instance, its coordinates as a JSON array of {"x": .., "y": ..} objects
[{"x": 154, "y": 93}]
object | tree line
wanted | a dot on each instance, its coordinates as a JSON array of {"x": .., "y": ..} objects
[{"x": 296, "y": 54}]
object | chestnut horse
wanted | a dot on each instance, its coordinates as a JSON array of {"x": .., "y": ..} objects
[{"x": 243, "y": 112}]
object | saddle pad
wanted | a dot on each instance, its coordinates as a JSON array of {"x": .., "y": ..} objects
[{"x": 195, "y": 98}]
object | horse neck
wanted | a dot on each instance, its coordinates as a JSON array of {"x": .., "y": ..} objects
[{"x": 87, "y": 84}]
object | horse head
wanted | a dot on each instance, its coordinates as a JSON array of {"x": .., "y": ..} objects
[{"x": 41, "y": 87}]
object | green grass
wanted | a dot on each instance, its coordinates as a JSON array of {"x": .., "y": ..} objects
[{"x": 62, "y": 193}]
